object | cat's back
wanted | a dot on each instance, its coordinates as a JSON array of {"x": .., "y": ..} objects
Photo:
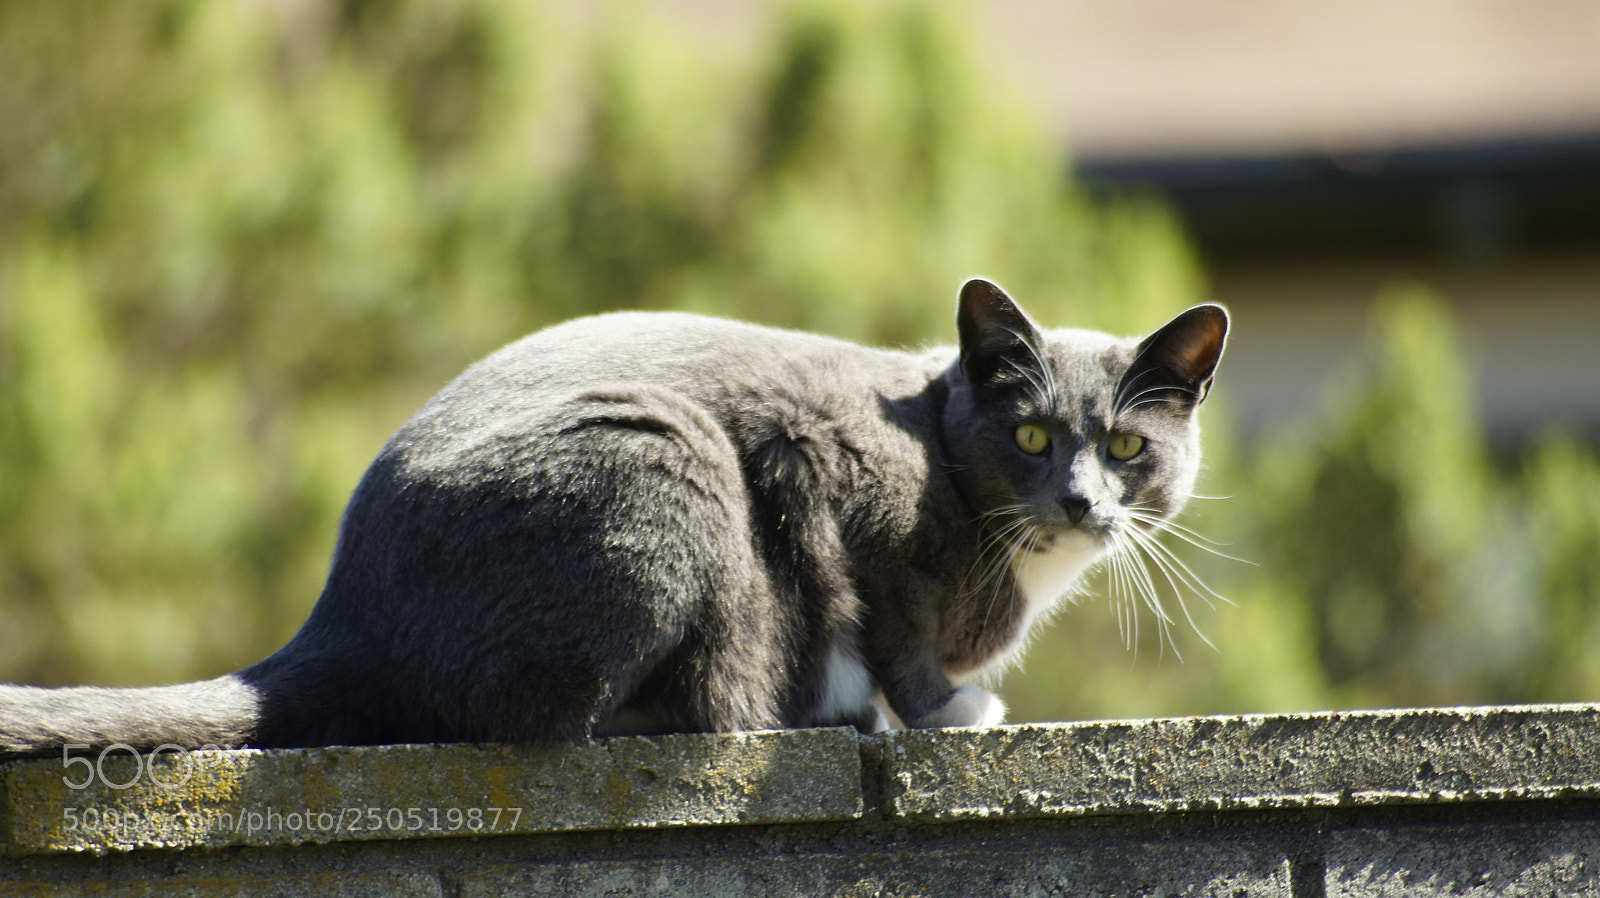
[
  {"x": 733, "y": 373},
  {"x": 677, "y": 349}
]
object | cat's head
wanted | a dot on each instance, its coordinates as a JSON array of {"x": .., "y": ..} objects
[{"x": 1076, "y": 434}]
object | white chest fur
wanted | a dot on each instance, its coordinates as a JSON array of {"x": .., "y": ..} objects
[{"x": 1044, "y": 578}]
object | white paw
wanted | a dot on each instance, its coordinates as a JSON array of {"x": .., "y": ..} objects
[
  {"x": 969, "y": 707},
  {"x": 878, "y": 721}
]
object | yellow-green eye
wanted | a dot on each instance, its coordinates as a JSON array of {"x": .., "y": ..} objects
[
  {"x": 1032, "y": 439},
  {"x": 1124, "y": 446}
]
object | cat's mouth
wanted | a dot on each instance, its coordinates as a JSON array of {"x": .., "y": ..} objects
[
  {"x": 1075, "y": 538},
  {"x": 1029, "y": 532}
]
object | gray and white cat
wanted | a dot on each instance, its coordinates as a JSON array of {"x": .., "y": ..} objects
[{"x": 661, "y": 522}]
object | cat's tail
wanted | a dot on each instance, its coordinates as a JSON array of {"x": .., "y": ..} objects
[{"x": 36, "y": 721}]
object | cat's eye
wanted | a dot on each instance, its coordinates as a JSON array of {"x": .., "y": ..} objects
[
  {"x": 1124, "y": 446},
  {"x": 1032, "y": 439}
]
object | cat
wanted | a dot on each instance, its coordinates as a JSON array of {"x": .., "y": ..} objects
[{"x": 660, "y": 522}]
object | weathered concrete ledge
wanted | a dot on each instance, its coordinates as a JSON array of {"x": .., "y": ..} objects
[
  {"x": 1459, "y": 801},
  {"x": 1438, "y": 756},
  {"x": 290, "y": 797}
]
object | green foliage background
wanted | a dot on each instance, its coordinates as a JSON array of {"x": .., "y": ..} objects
[{"x": 238, "y": 247}]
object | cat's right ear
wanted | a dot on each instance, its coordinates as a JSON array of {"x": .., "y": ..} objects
[{"x": 994, "y": 331}]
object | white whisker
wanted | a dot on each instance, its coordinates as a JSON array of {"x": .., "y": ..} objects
[
  {"x": 1199, "y": 541},
  {"x": 1176, "y": 529},
  {"x": 998, "y": 552},
  {"x": 1048, "y": 392},
  {"x": 1125, "y": 597},
  {"x": 1041, "y": 388},
  {"x": 1029, "y": 540},
  {"x": 1117, "y": 589},
  {"x": 1123, "y": 403},
  {"x": 1186, "y": 573},
  {"x": 1137, "y": 548},
  {"x": 994, "y": 554},
  {"x": 1164, "y": 562},
  {"x": 1147, "y": 586}
]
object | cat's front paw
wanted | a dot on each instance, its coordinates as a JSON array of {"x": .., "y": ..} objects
[
  {"x": 968, "y": 707},
  {"x": 873, "y": 720}
]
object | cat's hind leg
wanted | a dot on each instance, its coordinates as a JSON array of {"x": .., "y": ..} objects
[{"x": 659, "y": 522}]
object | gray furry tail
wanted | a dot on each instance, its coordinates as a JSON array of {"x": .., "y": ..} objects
[{"x": 36, "y": 721}]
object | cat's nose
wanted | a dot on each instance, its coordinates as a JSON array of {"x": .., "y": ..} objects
[{"x": 1075, "y": 506}]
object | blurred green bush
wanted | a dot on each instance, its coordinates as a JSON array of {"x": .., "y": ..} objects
[{"x": 241, "y": 241}]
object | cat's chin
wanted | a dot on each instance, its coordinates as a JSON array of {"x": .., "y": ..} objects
[
  {"x": 1048, "y": 573},
  {"x": 1075, "y": 541}
]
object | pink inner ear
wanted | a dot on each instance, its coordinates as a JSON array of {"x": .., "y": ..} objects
[
  {"x": 1199, "y": 356},
  {"x": 1200, "y": 353}
]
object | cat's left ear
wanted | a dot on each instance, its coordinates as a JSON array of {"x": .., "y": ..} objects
[
  {"x": 1177, "y": 362},
  {"x": 994, "y": 331}
]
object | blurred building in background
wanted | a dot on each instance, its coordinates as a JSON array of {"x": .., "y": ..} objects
[{"x": 1319, "y": 152}]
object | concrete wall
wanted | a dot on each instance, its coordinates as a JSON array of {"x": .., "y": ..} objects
[{"x": 1421, "y": 802}]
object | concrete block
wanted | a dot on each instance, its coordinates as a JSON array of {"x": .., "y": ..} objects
[
  {"x": 1213, "y": 763},
  {"x": 332, "y": 884},
  {"x": 1014, "y": 868},
  {"x": 1472, "y": 860},
  {"x": 288, "y": 797}
]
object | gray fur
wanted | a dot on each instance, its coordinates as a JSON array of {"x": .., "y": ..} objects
[{"x": 663, "y": 522}]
